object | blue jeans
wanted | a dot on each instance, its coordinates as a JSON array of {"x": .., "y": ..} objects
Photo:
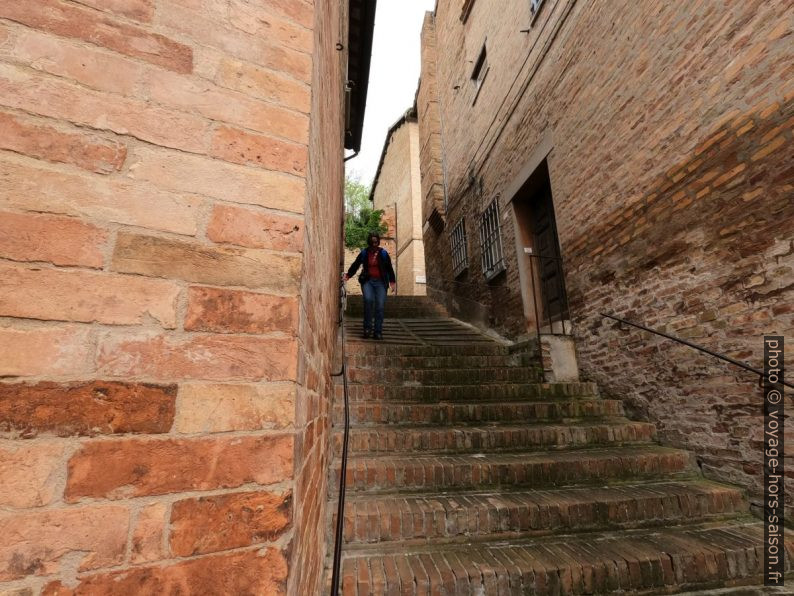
[{"x": 374, "y": 299}]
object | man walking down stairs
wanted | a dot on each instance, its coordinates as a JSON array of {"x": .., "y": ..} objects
[{"x": 469, "y": 475}]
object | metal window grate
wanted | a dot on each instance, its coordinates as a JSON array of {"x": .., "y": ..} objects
[
  {"x": 491, "y": 241},
  {"x": 460, "y": 256}
]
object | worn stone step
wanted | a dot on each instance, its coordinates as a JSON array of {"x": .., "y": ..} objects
[
  {"x": 376, "y": 412},
  {"x": 493, "y": 438},
  {"x": 640, "y": 561},
  {"x": 474, "y": 392},
  {"x": 456, "y": 376},
  {"x": 418, "y": 519},
  {"x": 434, "y": 472}
]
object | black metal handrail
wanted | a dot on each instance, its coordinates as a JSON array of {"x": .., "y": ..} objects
[
  {"x": 696, "y": 347},
  {"x": 340, "y": 513}
]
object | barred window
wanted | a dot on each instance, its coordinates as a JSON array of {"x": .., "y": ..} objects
[
  {"x": 460, "y": 257},
  {"x": 491, "y": 241}
]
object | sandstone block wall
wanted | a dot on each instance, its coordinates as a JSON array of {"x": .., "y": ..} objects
[
  {"x": 670, "y": 129},
  {"x": 170, "y": 222}
]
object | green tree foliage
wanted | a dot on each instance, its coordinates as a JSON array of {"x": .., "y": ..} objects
[{"x": 360, "y": 217}]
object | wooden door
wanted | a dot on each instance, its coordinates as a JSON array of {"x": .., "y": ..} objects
[{"x": 548, "y": 261}]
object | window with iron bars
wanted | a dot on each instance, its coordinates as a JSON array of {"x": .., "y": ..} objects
[
  {"x": 491, "y": 241},
  {"x": 460, "y": 256}
]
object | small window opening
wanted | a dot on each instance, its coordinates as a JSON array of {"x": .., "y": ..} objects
[{"x": 480, "y": 70}]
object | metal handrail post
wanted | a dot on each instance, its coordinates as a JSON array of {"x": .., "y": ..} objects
[
  {"x": 340, "y": 512},
  {"x": 695, "y": 346}
]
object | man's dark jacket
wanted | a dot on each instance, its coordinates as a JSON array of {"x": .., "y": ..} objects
[{"x": 384, "y": 264}]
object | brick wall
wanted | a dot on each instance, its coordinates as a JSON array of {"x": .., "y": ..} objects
[
  {"x": 167, "y": 319},
  {"x": 670, "y": 130},
  {"x": 397, "y": 187},
  {"x": 427, "y": 97},
  {"x": 319, "y": 308}
]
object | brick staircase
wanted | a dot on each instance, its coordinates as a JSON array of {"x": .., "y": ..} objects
[{"x": 469, "y": 475}]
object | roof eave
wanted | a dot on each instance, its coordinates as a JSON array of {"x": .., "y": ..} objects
[{"x": 360, "y": 34}]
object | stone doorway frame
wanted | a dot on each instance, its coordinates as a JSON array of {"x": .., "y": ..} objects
[
  {"x": 523, "y": 235},
  {"x": 557, "y": 348}
]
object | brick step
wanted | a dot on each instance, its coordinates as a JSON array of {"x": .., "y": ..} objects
[
  {"x": 404, "y": 339},
  {"x": 493, "y": 438},
  {"x": 458, "y": 376},
  {"x": 475, "y": 392},
  {"x": 358, "y": 299},
  {"x": 745, "y": 590},
  {"x": 354, "y": 329},
  {"x": 662, "y": 561},
  {"x": 356, "y": 304},
  {"x": 431, "y": 313},
  {"x": 397, "y": 315},
  {"x": 417, "y": 304},
  {"x": 423, "y": 331},
  {"x": 400, "y": 299},
  {"x": 382, "y": 348},
  {"x": 375, "y": 412},
  {"x": 433, "y": 472},
  {"x": 368, "y": 361},
  {"x": 417, "y": 519},
  {"x": 400, "y": 339},
  {"x": 420, "y": 324}
]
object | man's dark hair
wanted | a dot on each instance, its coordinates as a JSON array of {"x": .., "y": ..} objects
[{"x": 372, "y": 235}]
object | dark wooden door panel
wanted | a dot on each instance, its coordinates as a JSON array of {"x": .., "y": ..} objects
[{"x": 548, "y": 255}]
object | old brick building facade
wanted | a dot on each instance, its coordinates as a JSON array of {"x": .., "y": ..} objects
[
  {"x": 663, "y": 133},
  {"x": 170, "y": 235},
  {"x": 397, "y": 191}
]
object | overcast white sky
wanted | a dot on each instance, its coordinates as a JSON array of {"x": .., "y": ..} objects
[{"x": 393, "y": 76}]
